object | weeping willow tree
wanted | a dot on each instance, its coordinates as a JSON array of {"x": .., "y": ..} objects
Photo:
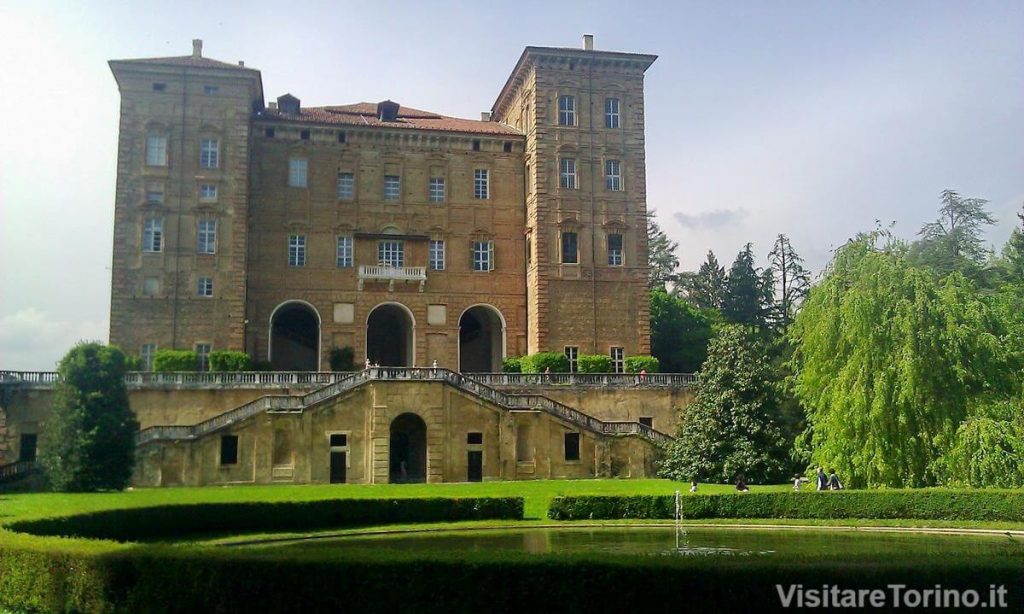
[{"x": 886, "y": 362}]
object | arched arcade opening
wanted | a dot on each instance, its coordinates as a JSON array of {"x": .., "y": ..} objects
[
  {"x": 390, "y": 336},
  {"x": 295, "y": 337},
  {"x": 481, "y": 340},
  {"x": 408, "y": 462}
]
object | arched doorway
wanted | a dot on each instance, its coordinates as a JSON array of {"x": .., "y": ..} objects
[
  {"x": 481, "y": 340},
  {"x": 295, "y": 337},
  {"x": 408, "y": 449},
  {"x": 390, "y": 336}
]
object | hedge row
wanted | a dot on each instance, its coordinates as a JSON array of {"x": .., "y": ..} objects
[
  {"x": 918, "y": 504},
  {"x": 175, "y": 521}
]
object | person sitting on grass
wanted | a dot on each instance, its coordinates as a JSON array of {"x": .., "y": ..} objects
[
  {"x": 741, "y": 483},
  {"x": 833, "y": 480}
]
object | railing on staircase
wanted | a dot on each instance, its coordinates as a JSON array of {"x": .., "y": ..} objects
[{"x": 17, "y": 470}]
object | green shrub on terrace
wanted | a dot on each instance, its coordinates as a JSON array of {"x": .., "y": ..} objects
[
  {"x": 920, "y": 504},
  {"x": 594, "y": 363},
  {"x": 635, "y": 364},
  {"x": 166, "y": 361},
  {"x": 541, "y": 362},
  {"x": 512, "y": 364},
  {"x": 342, "y": 359},
  {"x": 230, "y": 361}
]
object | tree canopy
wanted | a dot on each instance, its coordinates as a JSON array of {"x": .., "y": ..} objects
[
  {"x": 792, "y": 280},
  {"x": 680, "y": 333},
  {"x": 954, "y": 241},
  {"x": 661, "y": 254},
  {"x": 748, "y": 295}
]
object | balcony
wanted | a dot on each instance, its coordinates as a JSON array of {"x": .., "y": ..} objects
[{"x": 391, "y": 274}]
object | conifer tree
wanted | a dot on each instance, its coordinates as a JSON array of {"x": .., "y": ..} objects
[
  {"x": 791, "y": 280},
  {"x": 661, "y": 254}
]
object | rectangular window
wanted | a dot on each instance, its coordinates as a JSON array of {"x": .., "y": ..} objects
[
  {"x": 155, "y": 195},
  {"x": 647, "y": 421},
  {"x": 339, "y": 440},
  {"x": 392, "y": 187},
  {"x": 156, "y": 150},
  {"x": 296, "y": 250},
  {"x": 618, "y": 359},
  {"x": 346, "y": 186},
  {"x": 572, "y": 446},
  {"x": 566, "y": 111},
  {"x": 151, "y": 286},
  {"x": 436, "y": 190},
  {"x": 210, "y": 90},
  {"x": 611, "y": 112},
  {"x": 229, "y": 449},
  {"x": 615, "y": 250},
  {"x": 567, "y": 173},
  {"x": 159, "y": 87},
  {"x": 297, "y": 172},
  {"x": 205, "y": 286},
  {"x": 391, "y": 253},
  {"x": 153, "y": 234},
  {"x": 480, "y": 184},
  {"x": 203, "y": 356},
  {"x": 570, "y": 252},
  {"x": 572, "y": 352},
  {"x": 474, "y": 439},
  {"x": 483, "y": 255},
  {"x": 304, "y": 135},
  {"x": 344, "y": 252},
  {"x": 207, "y": 238},
  {"x": 612, "y": 175},
  {"x": 146, "y": 354},
  {"x": 209, "y": 153},
  {"x": 208, "y": 192},
  {"x": 437, "y": 254}
]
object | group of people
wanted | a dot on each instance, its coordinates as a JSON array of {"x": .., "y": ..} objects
[{"x": 821, "y": 481}]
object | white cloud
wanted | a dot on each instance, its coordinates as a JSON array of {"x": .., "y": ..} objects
[{"x": 30, "y": 340}]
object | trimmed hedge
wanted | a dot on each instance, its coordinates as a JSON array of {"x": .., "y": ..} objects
[
  {"x": 513, "y": 364},
  {"x": 342, "y": 358},
  {"x": 594, "y": 363},
  {"x": 540, "y": 362},
  {"x": 166, "y": 361},
  {"x": 225, "y": 360},
  {"x": 174, "y": 521},
  {"x": 634, "y": 364},
  {"x": 918, "y": 504}
]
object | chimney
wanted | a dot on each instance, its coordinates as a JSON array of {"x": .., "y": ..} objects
[
  {"x": 485, "y": 116},
  {"x": 588, "y": 42},
  {"x": 197, "y": 47},
  {"x": 241, "y": 63}
]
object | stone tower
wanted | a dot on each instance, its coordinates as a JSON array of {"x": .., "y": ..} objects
[
  {"x": 180, "y": 212},
  {"x": 582, "y": 112}
]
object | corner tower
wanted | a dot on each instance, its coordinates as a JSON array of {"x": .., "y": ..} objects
[{"x": 582, "y": 112}]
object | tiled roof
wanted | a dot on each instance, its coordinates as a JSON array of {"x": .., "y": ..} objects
[
  {"x": 188, "y": 61},
  {"x": 365, "y": 114}
]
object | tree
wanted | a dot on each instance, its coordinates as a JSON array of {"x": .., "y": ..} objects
[
  {"x": 729, "y": 428},
  {"x": 748, "y": 293},
  {"x": 1013, "y": 253},
  {"x": 680, "y": 333},
  {"x": 792, "y": 280},
  {"x": 707, "y": 287},
  {"x": 89, "y": 440},
  {"x": 661, "y": 254},
  {"x": 887, "y": 359},
  {"x": 954, "y": 241}
]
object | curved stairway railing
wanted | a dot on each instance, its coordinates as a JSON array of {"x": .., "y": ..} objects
[
  {"x": 353, "y": 380},
  {"x": 12, "y": 472}
]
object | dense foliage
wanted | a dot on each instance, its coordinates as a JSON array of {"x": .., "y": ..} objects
[
  {"x": 636, "y": 364},
  {"x": 988, "y": 449},
  {"x": 680, "y": 333},
  {"x": 89, "y": 440},
  {"x": 749, "y": 294},
  {"x": 230, "y": 361},
  {"x": 594, "y": 363},
  {"x": 512, "y": 364},
  {"x": 542, "y": 362},
  {"x": 661, "y": 255},
  {"x": 168, "y": 361},
  {"x": 342, "y": 358},
  {"x": 730, "y": 428}
]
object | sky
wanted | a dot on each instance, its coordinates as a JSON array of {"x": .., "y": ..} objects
[{"x": 813, "y": 119}]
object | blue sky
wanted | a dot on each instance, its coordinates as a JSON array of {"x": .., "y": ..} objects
[{"x": 808, "y": 118}]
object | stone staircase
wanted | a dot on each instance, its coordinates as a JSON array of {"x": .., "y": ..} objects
[{"x": 351, "y": 381}]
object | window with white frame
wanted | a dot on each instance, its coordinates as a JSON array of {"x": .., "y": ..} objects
[
  {"x": 209, "y": 153},
  {"x": 151, "y": 286},
  {"x": 153, "y": 234},
  {"x": 436, "y": 254},
  {"x": 483, "y": 255},
  {"x": 208, "y": 192},
  {"x": 146, "y": 353},
  {"x": 572, "y": 352},
  {"x": 344, "y": 253},
  {"x": 298, "y": 169},
  {"x": 612, "y": 175},
  {"x": 155, "y": 194},
  {"x": 570, "y": 248},
  {"x": 391, "y": 253},
  {"x": 156, "y": 150},
  {"x": 566, "y": 111},
  {"x": 611, "y": 112},
  {"x": 481, "y": 189},
  {"x": 615, "y": 250},
  {"x": 296, "y": 250},
  {"x": 207, "y": 237},
  {"x": 203, "y": 356},
  {"x": 618, "y": 359},
  {"x": 346, "y": 185},
  {"x": 435, "y": 192},
  {"x": 392, "y": 187},
  {"x": 204, "y": 287},
  {"x": 567, "y": 173}
]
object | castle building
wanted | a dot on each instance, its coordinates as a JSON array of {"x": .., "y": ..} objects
[{"x": 285, "y": 231}]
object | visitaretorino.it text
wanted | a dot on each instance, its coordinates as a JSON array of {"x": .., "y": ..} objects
[{"x": 892, "y": 596}]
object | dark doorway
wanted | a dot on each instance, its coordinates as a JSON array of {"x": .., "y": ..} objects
[
  {"x": 476, "y": 466},
  {"x": 480, "y": 340},
  {"x": 27, "y": 448},
  {"x": 338, "y": 461},
  {"x": 295, "y": 339},
  {"x": 408, "y": 449},
  {"x": 389, "y": 337}
]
